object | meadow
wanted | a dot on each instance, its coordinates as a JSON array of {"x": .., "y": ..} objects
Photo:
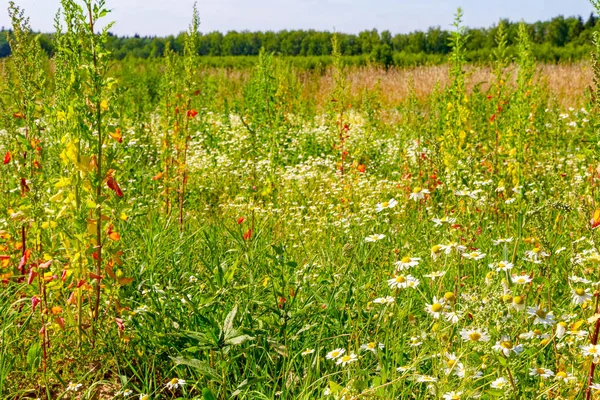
[{"x": 175, "y": 231}]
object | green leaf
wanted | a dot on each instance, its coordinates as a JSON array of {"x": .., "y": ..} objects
[
  {"x": 207, "y": 394},
  {"x": 34, "y": 356},
  {"x": 200, "y": 366}
]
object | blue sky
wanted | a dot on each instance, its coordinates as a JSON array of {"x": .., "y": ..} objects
[{"x": 164, "y": 17}]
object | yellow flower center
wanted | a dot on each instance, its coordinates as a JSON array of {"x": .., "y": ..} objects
[
  {"x": 593, "y": 350},
  {"x": 580, "y": 291},
  {"x": 417, "y": 189},
  {"x": 541, "y": 313},
  {"x": 371, "y": 345},
  {"x": 561, "y": 374},
  {"x": 385, "y": 204},
  {"x": 436, "y": 248},
  {"x": 537, "y": 332},
  {"x": 455, "y": 397},
  {"x": 507, "y": 344},
  {"x": 475, "y": 336},
  {"x": 536, "y": 250},
  {"x": 449, "y": 296},
  {"x": 540, "y": 371},
  {"x": 346, "y": 358},
  {"x": 474, "y": 255},
  {"x": 518, "y": 300},
  {"x": 406, "y": 260},
  {"x": 400, "y": 279},
  {"x": 174, "y": 381},
  {"x": 501, "y": 264},
  {"x": 335, "y": 353},
  {"x": 436, "y": 307},
  {"x": 451, "y": 363}
]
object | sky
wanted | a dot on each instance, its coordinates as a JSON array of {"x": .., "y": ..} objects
[{"x": 166, "y": 17}]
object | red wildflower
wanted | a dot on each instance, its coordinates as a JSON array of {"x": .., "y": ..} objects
[
  {"x": 7, "y": 157},
  {"x": 240, "y": 220},
  {"x": 192, "y": 113},
  {"x": 248, "y": 234},
  {"x": 114, "y": 186}
]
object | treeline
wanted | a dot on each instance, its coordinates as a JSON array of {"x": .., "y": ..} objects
[{"x": 560, "y": 39}]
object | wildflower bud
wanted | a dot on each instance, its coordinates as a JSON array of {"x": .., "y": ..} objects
[
  {"x": 449, "y": 296},
  {"x": 506, "y": 298}
]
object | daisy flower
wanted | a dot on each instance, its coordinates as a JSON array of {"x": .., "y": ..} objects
[
  {"x": 347, "y": 359},
  {"x": 374, "y": 238},
  {"x": 518, "y": 303},
  {"x": 333, "y": 354},
  {"x": 407, "y": 262},
  {"x": 418, "y": 193},
  {"x": 385, "y": 205},
  {"x": 474, "y": 335},
  {"x": 436, "y": 251}
]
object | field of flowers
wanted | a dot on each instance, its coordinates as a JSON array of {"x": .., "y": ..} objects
[{"x": 167, "y": 233}]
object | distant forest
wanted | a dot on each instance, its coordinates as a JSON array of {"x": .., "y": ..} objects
[{"x": 560, "y": 39}]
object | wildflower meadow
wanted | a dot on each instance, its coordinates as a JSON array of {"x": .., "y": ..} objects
[{"x": 169, "y": 231}]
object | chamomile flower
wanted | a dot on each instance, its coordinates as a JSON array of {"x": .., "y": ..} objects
[
  {"x": 384, "y": 300},
  {"x": 435, "y": 274},
  {"x": 372, "y": 347},
  {"x": 581, "y": 295},
  {"x": 453, "y": 365},
  {"x": 333, "y": 354},
  {"x": 418, "y": 193},
  {"x": 543, "y": 373},
  {"x": 374, "y": 238},
  {"x": 506, "y": 346},
  {"x": 407, "y": 262},
  {"x": 385, "y": 205},
  {"x": 518, "y": 303},
  {"x": 448, "y": 248},
  {"x": 400, "y": 281},
  {"x": 501, "y": 266},
  {"x": 541, "y": 316},
  {"x": 500, "y": 241},
  {"x": 564, "y": 377},
  {"x": 452, "y": 395},
  {"x": 436, "y": 307},
  {"x": 436, "y": 251},
  {"x": 308, "y": 352},
  {"x": 175, "y": 383},
  {"x": 443, "y": 220},
  {"x": 591, "y": 350},
  {"x": 521, "y": 279},
  {"x": 474, "y": 335},
  {"x": 426, "y": 379},
  {"x": 73, "y": 387},
  {"x": 500, "y": 383},
  {"x": 474, "y": 255},
  {"x": 347, "y": 359}
]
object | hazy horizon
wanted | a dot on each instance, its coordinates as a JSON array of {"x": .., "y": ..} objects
[{"x": 158, "y": 18}]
